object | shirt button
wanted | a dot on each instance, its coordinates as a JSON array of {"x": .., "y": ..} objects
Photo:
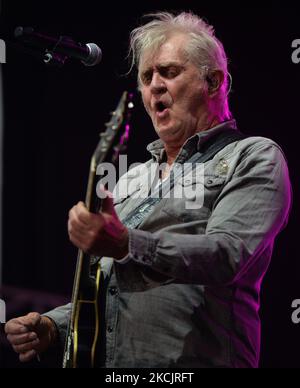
[
  {"x": 110, "y": 329},
  {"x": 113, "y": 291}
]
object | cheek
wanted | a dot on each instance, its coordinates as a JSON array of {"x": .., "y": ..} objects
[
  {"x": 146, "y": 101},
  {"x": 192, "y": 99}
]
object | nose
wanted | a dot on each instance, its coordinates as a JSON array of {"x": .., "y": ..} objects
[{"x": 157, "y": 84}]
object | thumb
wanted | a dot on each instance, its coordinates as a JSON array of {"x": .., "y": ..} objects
[
  {"x": 32, "y": 320},
  {"x": 108, "y": 202}
]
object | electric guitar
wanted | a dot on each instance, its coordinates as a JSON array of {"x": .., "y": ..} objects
[{"x": 84, "y": 331}]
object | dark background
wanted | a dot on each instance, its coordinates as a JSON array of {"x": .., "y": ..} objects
[{"x": 53, "y": 118}]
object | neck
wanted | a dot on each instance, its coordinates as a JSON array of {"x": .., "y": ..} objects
[{"x": 172, "y": 150}]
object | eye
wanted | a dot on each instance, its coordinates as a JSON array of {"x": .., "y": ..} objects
[
  {"x": 146, "y": 77},
  {"x": 170, "y": 72}
]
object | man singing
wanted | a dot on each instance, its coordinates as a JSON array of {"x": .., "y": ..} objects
[{"x": 183, "y": 287}]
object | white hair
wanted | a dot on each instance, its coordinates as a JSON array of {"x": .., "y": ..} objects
[{"x": 204, "y": 49}]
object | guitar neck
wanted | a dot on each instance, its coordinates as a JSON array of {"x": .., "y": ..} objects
[{"x": 112, "y": 143}]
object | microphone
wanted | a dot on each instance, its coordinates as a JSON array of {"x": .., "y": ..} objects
[{"x": 89, "y": 54}]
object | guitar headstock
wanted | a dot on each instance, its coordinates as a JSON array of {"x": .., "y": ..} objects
[{"x": 114, "y": 139}]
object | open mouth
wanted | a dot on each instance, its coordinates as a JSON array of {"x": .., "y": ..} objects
[{"x": 161, "y": 108}]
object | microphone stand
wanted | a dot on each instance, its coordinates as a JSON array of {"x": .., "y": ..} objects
[{"x": 49, "y": 58}]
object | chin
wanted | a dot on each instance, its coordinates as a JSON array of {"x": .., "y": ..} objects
[
  {"x": 167, "y": 131},
  {"x": 164, "y": 133}
]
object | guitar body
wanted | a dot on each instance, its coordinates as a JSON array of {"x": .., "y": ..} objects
[
  {"x": 84, "y": 346},
  {"x": 84, "y": 339}
]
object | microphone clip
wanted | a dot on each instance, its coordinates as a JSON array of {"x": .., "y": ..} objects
[{"x": 52, "y": 57}]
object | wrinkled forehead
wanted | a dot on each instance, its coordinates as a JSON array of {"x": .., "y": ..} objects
[{"x": 172, "y": 49}]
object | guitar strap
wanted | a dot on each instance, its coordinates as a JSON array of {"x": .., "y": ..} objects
[{"x": 209, "y": 150}]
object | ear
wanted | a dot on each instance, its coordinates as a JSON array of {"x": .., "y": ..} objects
[{"x": 215, "y": 80}]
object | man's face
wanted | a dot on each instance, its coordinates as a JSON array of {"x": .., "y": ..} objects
[{"x": 173, "y": 91}]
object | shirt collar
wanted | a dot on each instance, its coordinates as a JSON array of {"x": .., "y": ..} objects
[{"x": 192, "y": 145}]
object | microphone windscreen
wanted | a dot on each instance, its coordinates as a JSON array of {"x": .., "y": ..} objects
[{"x": 95, "y": 56}]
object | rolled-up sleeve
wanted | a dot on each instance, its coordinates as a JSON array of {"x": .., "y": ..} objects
[{"x": 252, "y": 208}]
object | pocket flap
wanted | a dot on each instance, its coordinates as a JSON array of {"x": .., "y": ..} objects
[{"x": 213, "y": 180}]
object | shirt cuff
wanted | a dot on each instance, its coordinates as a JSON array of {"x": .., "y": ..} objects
[
  {"x": 125, "y": 260},
  {"x": 142, "y": 247}
]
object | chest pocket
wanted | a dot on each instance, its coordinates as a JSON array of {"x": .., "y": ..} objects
[
  {"x": 197, "y": 198},
  {"x": 213, "y": 187}
]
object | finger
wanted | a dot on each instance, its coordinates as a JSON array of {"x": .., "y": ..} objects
[
  {"x": 80, "y": 217},
  {"x": 15, "y": 327},
  {"x": 77, "y": 241},
  {"x": 82, "y": 243},
  {"x": 77, "y": 224},
  {"x": 29, "y": 356},
  {"x": 21, "y": 339},
  {"x": 75, "y": 227},
  {"x": 81, "y": 230},
  {"x": 80, "y": 234},
  {"x": 83, "y": 215},
  {"x": 23, "y": 325},
  {"x": 73, "y": 214},
  {"x": 24, "y": 348}
]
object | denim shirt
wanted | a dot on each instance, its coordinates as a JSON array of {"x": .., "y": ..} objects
[{"x": 188, "y": 295}]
